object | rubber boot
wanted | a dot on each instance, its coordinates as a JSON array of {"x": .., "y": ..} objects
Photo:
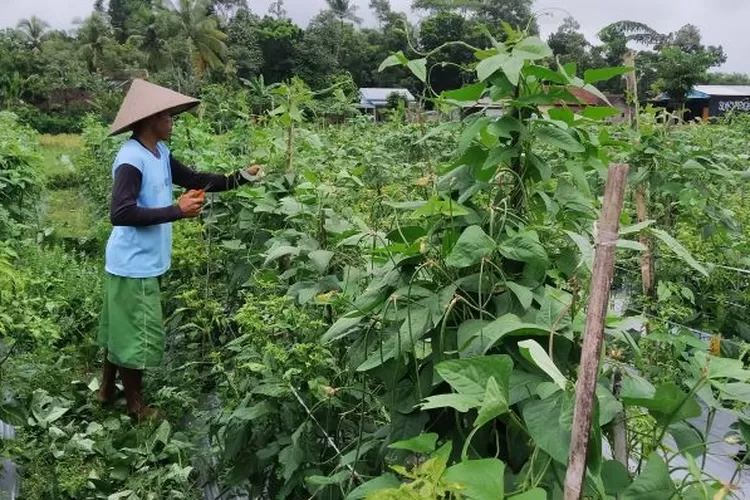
[
  {"x": 132, "y": 381},
  {"x": 108, "y": 390}
]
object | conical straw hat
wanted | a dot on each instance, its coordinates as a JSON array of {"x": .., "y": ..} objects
[{"x": 145, "y": 99}]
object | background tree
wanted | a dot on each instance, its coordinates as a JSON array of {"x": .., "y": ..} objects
[
  {"x": 195, "y": 24},
  {"x": 571, "y": 46},
  {"x": 277, "y": 10},
  {"x": 244, "y": 47},
  {"x": 225, "y": 10},
  {"x": 444, "y": 27},
  {"x": 718, "y": 78},
  {"x": 92, "y": 36},
  {"x": 33, "y": 31},
  {"x": 684, "y": 62},
  {"x": 517, "y": 13}
]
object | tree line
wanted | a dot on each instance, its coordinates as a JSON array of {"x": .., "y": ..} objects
[{"x": 52, "y": 77}]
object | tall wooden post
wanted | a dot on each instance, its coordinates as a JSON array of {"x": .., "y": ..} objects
[
  {"x": 604, "y": 263},
  {"x": 647, "y": 262}
]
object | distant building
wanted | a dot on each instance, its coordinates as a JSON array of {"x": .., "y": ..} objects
[
  {"x": 372, "y": 99},
  {"x": 710, "y": 101}
]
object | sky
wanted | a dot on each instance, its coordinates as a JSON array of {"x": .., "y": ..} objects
[{"x": 722, "y": 22}]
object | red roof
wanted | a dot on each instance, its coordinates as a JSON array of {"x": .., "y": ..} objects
[{"x": 586, "y": 97}]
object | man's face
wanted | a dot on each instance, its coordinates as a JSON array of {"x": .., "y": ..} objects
[
  {"x": 163, "y": 126},
  {"x": 160, "y": 125}
]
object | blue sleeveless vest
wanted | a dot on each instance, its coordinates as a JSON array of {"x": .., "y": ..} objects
[{"x": 143, "y": 252}]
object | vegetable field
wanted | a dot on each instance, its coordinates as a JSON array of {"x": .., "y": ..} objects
[{"x": 397, "y": 310}]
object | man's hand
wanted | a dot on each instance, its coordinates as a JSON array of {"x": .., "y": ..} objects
[
  {"x": 252, "y": 173},
  {"x": 191, "y": 203},
  {"x": 254, "y": 170}
]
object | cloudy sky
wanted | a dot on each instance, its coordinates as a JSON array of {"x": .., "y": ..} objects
[{"x": 722, "y": 22}]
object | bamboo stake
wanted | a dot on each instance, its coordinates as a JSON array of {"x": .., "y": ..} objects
[
  {"x": 604, "y": 262},
  {"x": 647, "y": 262}
]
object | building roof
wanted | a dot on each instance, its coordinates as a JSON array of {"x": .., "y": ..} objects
[
  {"x": 586, "y": 97},
  {"x": 373, "y": 97},
  {"x": 722, "y": 90}
]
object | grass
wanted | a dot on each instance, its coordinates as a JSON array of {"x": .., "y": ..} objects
[
  {"x": 58, "y": 152},
  {"x": 66, "y": 210},
  {"x": 67, "y": 214}
]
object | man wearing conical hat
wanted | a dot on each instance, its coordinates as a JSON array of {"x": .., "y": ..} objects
[{"x": 139, "y": 248}]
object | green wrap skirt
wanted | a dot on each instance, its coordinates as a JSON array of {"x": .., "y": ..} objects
[{"x": 131, "y": 326}]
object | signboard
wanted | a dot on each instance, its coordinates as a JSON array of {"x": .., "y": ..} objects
[{"x": 721, "y": 105}]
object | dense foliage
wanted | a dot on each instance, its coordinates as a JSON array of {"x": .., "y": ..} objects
[
  {"x": 52, "y": 78},
  {"x": 397, "y": 309}
]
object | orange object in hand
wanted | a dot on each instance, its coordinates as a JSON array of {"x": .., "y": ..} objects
[{"x": 198, "y": 193}]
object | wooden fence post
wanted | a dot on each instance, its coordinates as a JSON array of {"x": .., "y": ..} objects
[{"x": 601, "y": 282}]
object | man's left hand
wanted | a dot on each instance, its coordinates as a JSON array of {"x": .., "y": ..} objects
[{"x": 254, "y": 170}]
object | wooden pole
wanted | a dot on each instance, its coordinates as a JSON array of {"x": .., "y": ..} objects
[
  {"x": 601, "y": 282},
  {"x": 647, "y": 262}
]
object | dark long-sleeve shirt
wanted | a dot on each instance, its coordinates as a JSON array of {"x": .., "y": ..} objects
[{"x": 124, "y": 210}]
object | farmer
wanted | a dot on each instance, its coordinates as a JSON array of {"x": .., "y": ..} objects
[{"x": 139, "y": 249}]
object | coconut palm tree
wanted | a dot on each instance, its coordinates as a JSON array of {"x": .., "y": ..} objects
[
  {"x": 33, "y": 30},
  {"x": 345, "y": 10},
  {"x": 93, "y": 35},
  {"x": 194, "y": 23},
  {"x": 151, "y": 39}
]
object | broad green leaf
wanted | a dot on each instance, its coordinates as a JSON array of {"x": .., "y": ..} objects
[
  {"x": 735, "y": 391},
  {"x": 342, "y": 327},
  {"x": 524, "y": 247},
  {"x": 609, "y": 406},
  {"x": 679, "y": 250},
  {"x": 532, "y": 48},
  {"x": 337, "y": 478},
  {"x": 549, "y": 424},
  {"x": 487, "y": 67},
  {"x": 584, "y": 246},
  {"x": 383, "y": 482},
  {"x": 472, "y": 246},
  {"x": 163, "y": 432},
  {"x": 603, "y": 74},
  {"x": 494, "y": 404},
  {"x": 635, "y": 387},
  {"x": 554, "y": 310},
  {"x": 654, "y": 483},
  {"x": 631, "y": 245},
  {"x": 717, "y": 368},
  {"x": 512, "y": 68},
  {"x": 397, "y": 59},
  {"x": 281, "y": 251},
  {"x": 562, "y": 114},
  {"x": 543, "y": 73},
  {"x": 481, "y": 479},
  {"x": 689, "y": 440},
  {"x": 524, "y": 295},
  {"x": 471, "y": 92},
  {"x": 321, "y": 259},
  {"x": 558, "y": 138},
  {"x": 470, "y": 376},
  {"x": 668, "y": 404},
  {"x": 477, "y": 337},
  {"x": 535, "y": 494},
  {"x": 424, "y": 443},
  {"x": 505, "y": 126},
  {"x": 615, "y": 477},
  {"x": 249, "y": 413},
  {"x": 419, "y": 68},
  {"x": 533, "y": 352},
  {"x": 460, "y": 402},
  {"x": 600, "y": 112},
  {"x": 471, "y": 132},
  {"x": 635, "y": 228}
]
